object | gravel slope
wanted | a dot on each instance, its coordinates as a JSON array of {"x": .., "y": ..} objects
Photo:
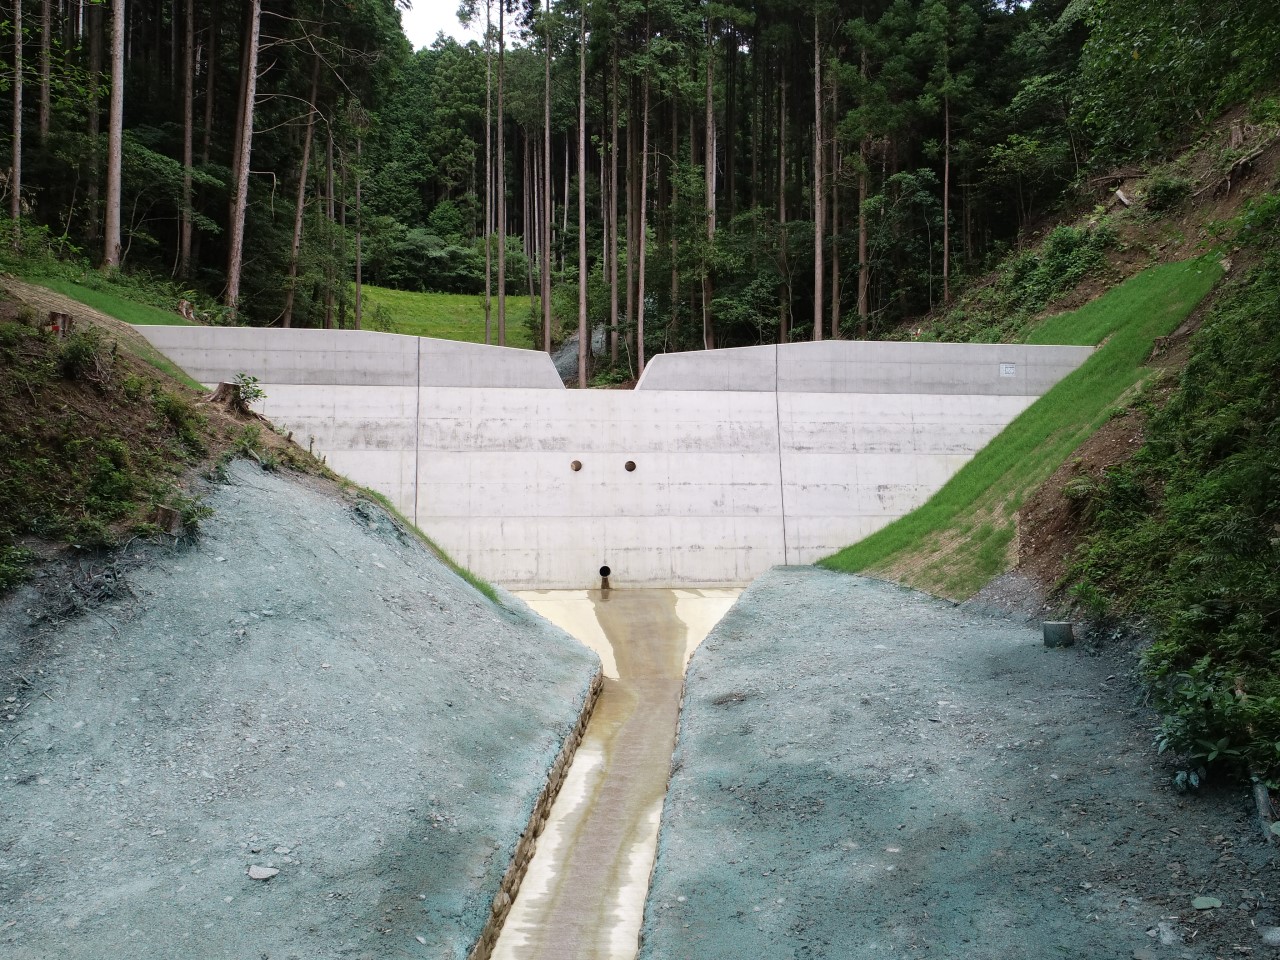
[
  {"x": 865, "y": 771},
  {"x": 307, "y": 689}
]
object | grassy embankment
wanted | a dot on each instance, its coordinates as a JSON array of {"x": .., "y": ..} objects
[
  {"x": 113, "y": 304},
  {"x": 449, "y": 316},
  {"x": 962, "y": 536}
]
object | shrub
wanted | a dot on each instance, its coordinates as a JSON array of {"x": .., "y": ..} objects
[
  {"x": 79, "y": 353},
  {"x": 1166, "y": 193}
]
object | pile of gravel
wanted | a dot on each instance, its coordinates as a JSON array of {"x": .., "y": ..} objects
[
  {"x": 865, "y": 771},
  {"x": 304, "y": 694}
]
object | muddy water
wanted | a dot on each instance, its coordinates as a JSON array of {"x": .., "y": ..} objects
[{"x": 583, "y": 897}]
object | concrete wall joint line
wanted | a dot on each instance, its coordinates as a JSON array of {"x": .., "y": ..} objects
[
  {"x": 782, "y": 482},
  {"x": 417, "y": 435}
]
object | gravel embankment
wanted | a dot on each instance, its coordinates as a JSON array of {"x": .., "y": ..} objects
[
  {"x": 305, "y": 689},
  {"x": 864, "y": 771}
]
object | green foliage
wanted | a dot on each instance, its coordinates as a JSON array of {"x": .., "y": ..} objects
[
  {"x": 1165, "y": 193},
  {"x": 248, "y": 388},
  {"x": 37, "y": 248},
  {"x": 1188, "y": 534},
  {"x": 84, "y": 457},
  {"x": 990, "y": 487},
  {"x": 183, "y": 418},
  {"x": 1153, "y": 69},
  {"x": 78, "y": 353},
  {"x": 1025, "y": 284},
  {"x": 13, "y": 564}
]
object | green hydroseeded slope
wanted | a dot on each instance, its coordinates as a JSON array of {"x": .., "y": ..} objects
[{"x": 960, "y": 538}]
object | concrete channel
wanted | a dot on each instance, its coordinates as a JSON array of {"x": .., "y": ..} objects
[{"x": 583, "y": 896}]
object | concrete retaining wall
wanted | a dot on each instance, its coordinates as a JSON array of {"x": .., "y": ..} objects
[
  {"x": 348, "y": 357},
  {"x": 743, "y": 458}
]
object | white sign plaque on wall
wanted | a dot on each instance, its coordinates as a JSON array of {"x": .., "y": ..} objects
[{"x": 1008, "y": 369}]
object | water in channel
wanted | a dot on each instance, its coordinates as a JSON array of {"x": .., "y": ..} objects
[{"x": 583, "y": 897}]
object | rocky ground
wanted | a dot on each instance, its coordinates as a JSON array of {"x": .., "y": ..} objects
[
  {"x": 304, "y": 694},
  {"x": 865, "y": 771}
]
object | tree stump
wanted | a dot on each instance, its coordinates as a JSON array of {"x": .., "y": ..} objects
[{"x": 1058, "y": 634}]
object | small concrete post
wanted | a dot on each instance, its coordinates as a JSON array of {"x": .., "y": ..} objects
[{"x": 1058, "y": 633}]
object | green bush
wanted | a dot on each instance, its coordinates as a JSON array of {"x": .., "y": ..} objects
[
  {"x": 78, "y": 353},
  {"x": 1188, "y": 534},
  {"x": 1165, "y": 193}
]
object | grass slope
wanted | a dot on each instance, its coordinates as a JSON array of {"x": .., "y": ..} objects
[
  {"x": 962, "y": 536},
  {"x": 449, "y": 316},
  {"x": 114, "y": 305}
]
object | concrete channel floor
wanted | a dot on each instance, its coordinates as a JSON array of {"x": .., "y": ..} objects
[{"x": 583, "y": 897}]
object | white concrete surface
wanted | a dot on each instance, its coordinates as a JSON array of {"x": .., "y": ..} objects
[
  {"x": 583, "y": 896},
  {"x": 744, "y": 458},
  {"x": 355, "y": 357}
]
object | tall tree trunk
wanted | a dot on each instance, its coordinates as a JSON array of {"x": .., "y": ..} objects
[
  {"x": 584, "y": 335},
  {"x": 613, "y": 205},
  {"x": 564, "y": 209},
  {"x": 330, "y": 273},
  {"x": 488, "y": 170},
  {"x": 211, "y": 70},
  {"x": 819, "y": 203},
  {"x": 533, "y": 226},
  {"x": 643, "y": 225},
  {"x": 633, "y": 215},
  {"x": 247, "y": 28},
  {"x": 94, "y": 26},
  {"x": 834, "y": 191},
  {"x": 784, "y": 298},
  {"x": 674, "y": 239},
  {"x": 300, "y": 201},
  {"x": 709, "y": 169},
  {"x": 864, "y": 268},
  {"x": 340, "y": 264},
  {"x": 188, "y": 134},
  {"x": 15, "y": 165},
  {"x": 502, "y": 179},
  {"x": 115, "y": 140},
  {"x": 946, "y": 201},
  {"x": 359, "y": 240},
  {"x": 240, "y": 201},
  {"x": 544, "y": 225},
  {"x": 46, "y": 100}
]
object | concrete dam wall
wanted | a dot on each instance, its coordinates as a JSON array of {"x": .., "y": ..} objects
[{"x": 719, "y": 465}]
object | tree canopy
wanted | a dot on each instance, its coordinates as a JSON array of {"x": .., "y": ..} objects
[{"x": 898, "y": 146}]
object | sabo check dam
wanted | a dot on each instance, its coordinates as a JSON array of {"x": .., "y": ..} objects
[{"x": 717, "y": 466}]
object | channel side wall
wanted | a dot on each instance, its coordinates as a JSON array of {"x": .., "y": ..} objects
[{"x": 820, "y": 445}]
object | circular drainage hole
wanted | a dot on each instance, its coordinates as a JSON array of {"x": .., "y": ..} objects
[{"x": 630, "y": 465}]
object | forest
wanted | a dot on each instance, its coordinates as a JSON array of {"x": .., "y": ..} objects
[{"x": 690, "y": 174}]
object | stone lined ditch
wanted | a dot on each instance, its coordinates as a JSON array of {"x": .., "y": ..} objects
[{"x": 583, "y": 896}]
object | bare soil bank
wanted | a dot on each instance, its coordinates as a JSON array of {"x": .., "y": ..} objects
[
  {"x": 305, "y": 689},
  {"x": 865, "y": 771}
]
